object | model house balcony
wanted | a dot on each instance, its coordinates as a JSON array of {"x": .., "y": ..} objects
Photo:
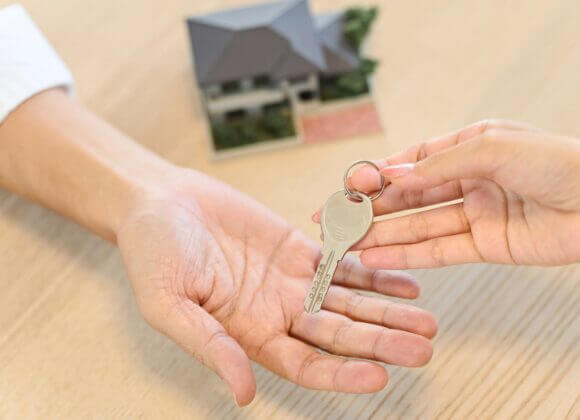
[{"x": 244, "y": 100}]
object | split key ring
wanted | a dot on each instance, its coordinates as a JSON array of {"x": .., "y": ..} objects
[{"x": 354, "y": 194}]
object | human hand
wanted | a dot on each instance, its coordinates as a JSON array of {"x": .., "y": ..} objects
[
  {"x": 521, "y": 203},
  {"x": 226, "y": 279}
]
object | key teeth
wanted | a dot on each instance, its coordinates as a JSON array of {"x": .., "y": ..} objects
[{"x": 311, "y": 311}]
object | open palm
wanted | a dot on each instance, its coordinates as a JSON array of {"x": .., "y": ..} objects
[
  {"x": 226, "y": 279},
  {"x": 520, "y": 197}
]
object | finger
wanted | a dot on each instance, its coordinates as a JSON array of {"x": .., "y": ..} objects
[
  {"x": 480, "y": 157},
  {"x": 515, "y": 161},
  {"x": 198, "y": 333},
  {"x": 395, "y": 198},
  {"x": 341, "y": 335},
  {"x": 423, "y": 150},
  {"x": 438, "y": 252},
  {"x": 380, "y": 311},
  {"x": 366, "y": 178},
  {"x": 351, "y": 273},
  {"x": 417, "y": 227},
  {"x": 300, "y": 363},
  {"x": 316, "y": 215}
]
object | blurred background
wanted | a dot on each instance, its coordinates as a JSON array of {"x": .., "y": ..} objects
[
  {"x": 441, "y": 66},
  {"x": 72, "y": 343}
]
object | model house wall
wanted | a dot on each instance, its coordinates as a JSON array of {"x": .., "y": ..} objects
[{"x": 268, "y": 55}]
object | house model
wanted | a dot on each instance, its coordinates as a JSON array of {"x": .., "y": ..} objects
[{"x": 266, "y": 61}]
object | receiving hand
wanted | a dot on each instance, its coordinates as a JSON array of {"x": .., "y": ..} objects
[
  {"x": 521, "y": 200},
  {"x": 226, "y": 279}
]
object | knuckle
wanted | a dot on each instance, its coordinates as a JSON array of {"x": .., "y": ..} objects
[
  {"x": 259, "y": 351},
  {"x": 412, "y": 198},
  {"x": 485, "y": 145},
  {"x": 419, "y": 227},
  {"x": 491, "y": 148},
  {"x": 422, "y": 151},
  {"x": 375, "y": 349},
  {"x": 373, "y": 238},
  {"x": 457, "y": 189},
  {"x": 306, "y": 362},
  {"x": 491, "y": 123},
  {"x": 337, "y": 338},
  {"x": 437, "y": 254},
  {"x": 335, "y": 384},
  {"x": 373, "y": 281},
  {"x": 386, "y": 314},
  {"x": 216, "y": 336},
  {"x": 492, "y": 137},
  {"x": 349, "y": 265},
  {"x": 403, "y": 258},
  {"x": 462, "y": 221},
  {"x": 353, "y": 302}
]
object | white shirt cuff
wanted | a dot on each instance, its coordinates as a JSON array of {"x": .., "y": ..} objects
[{"x": 28, "y": 64}]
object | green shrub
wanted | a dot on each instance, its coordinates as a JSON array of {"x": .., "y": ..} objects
[
  {"x": 357, "y": 24},
  {"x": 272, "y": 125},
  {"x": 279, "y": 123},
  {"x": 348, "y": 85}
]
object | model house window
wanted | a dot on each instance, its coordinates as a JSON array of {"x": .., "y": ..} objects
[
  {"x": 231, "y": 87},
  {"x": 262, "y": 81},
  {"x": 307, "y": 95},
  {"x": 297, "y": 80},
  {"x": 212, "y": 92},
  {"x": 236, "y": 114}
]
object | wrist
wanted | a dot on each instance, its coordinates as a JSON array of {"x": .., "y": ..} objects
[
  {"x": 165, "y": 187},
  {"x": 140, "y": 184}
]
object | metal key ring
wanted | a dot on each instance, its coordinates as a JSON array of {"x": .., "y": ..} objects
[{"x": 354, "y": 194}]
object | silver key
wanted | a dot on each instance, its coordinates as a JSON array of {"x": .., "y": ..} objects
[{"x": 344, "y": 222}]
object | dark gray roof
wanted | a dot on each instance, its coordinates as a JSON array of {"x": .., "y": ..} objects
[
  {"x": 339, "y": 54},
  {"x": 277, "y": 39},
  {"x": 246, "y": 17}
]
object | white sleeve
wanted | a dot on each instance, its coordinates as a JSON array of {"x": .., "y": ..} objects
[{"x": 28, "y": 64}]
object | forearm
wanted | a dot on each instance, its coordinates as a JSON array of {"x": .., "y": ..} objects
[{"x": 55, "y": 152}]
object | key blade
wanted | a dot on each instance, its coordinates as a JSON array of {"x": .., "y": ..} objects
[
  {"x": 344, "y": 223},
  {"x": 322, "y": 279}
]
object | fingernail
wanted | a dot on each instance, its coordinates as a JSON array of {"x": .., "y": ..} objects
[
  {"x": 236, "y": 400},
  {"x": 316, "y": 217},
  {"x": 395, "y": 171}
]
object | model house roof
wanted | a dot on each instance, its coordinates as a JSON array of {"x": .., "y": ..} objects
[
  {"x": 280, "y": 40},
  {"x": 339, "y": 54}
]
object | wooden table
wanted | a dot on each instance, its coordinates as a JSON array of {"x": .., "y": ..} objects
[{"x": 72, "y": 343}]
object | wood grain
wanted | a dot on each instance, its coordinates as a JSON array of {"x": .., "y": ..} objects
[{"x": 72, "y": 343}]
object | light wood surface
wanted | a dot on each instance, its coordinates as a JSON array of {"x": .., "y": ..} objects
[{"x": 72, "y": 343}]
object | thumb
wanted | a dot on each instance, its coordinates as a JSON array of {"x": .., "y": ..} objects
[
  {"x": 200, "y": 334},
  {"x": 479, "y": 157}
]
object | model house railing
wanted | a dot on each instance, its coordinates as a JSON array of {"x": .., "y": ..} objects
[{"x": 247, "y": 99}]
